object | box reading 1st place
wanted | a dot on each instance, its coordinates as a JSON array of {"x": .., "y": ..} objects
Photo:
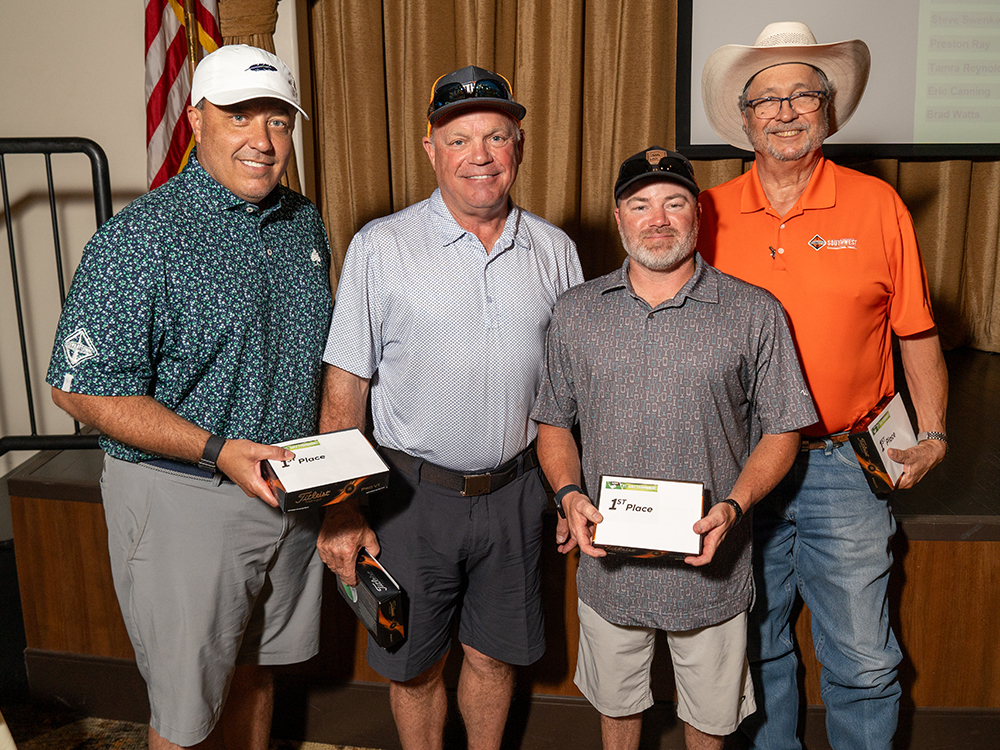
[
  {"x": 649, "y": 517},
  {"x": 884, "y": 427},
  {"x": 326, "y": 469}
]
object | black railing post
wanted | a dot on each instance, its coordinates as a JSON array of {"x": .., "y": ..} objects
[{"x": 102, "y": 208}]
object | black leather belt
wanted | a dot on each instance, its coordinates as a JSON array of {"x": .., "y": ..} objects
[
  {"x": 470, "y": 485},
  {"x": 816, "y": 443}
]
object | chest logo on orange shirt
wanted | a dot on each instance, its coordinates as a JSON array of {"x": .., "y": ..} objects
[{"x": 818, "y": 243}]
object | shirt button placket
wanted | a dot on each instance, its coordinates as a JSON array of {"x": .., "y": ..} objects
[
  {"x": 778, "y": 248},
  {"x": 258, "y": 231},
  {"x": 491, "y": 321}
]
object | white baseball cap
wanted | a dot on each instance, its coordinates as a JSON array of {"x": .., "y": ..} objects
[{"x": 237, "y": 72}]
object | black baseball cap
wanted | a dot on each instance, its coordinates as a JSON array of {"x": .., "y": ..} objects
[
  {"x": 472, "y": 88},
  {"x": 656, "y": 163}
]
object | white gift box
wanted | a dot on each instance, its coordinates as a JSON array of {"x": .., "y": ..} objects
[
  {"x": 649, "y": 517},
  {"x": 327, "y": 469},
  {"x": 884, "y": 427}
]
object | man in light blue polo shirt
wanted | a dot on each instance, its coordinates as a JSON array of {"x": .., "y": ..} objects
[{"x": 441, "y": 312}]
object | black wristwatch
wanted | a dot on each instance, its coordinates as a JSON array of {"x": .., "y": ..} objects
[
  {"x": 735, "y": 506},
  {"x": 211, "y": 454},
  {"x": 558, "y": 497}
]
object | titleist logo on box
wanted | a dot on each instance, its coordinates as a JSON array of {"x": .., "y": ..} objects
[{"x": 326, "y": 469}]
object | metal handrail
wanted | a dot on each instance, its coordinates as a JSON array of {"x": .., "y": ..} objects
[{"x": 100, "y": 175}]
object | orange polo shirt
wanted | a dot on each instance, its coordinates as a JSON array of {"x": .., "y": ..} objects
[{"x": 845, "y": 264}]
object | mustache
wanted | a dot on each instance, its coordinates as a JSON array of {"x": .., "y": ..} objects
[
  {"x": 257, "y": 156},
  {"x": 790, "y": 127}
]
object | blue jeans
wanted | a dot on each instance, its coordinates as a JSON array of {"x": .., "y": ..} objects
[{"x": 823, "y": 533}]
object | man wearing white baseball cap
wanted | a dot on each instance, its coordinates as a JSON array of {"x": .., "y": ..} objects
[
  {"x": 192, "y": 338},
  {"x": 838, "y": 249}
]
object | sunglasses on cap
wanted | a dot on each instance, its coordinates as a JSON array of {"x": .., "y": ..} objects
[
  {"x": 456, "y": 92},
  {"x": 638, "y": 166}
]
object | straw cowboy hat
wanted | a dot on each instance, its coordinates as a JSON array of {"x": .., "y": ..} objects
[{"x": 729, "y": 68}]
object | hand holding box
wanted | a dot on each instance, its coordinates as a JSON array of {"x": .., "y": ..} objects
[{"x": 327, "y": 469}]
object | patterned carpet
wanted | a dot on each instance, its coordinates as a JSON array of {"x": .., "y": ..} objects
[{"x": 39, "y": 729}]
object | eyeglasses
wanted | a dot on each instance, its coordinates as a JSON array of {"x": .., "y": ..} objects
[
  {"x": 456, "y": 92},
  {"x": 802, "y": 103}
]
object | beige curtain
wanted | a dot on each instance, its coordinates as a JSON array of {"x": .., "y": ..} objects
[
  {"x": 597, "y": 87},
  {"x": 597, "y": 79},
  {"x": 252, "y": 22},
  {"x": 956, "y": 205}
]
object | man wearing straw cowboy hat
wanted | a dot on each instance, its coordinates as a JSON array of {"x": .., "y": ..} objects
[
  {"x": 838, "y": 249},
  {"x": 442, "y": 310}
]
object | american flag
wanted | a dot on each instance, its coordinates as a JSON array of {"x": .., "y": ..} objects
[{"x": 168, "y": 81}]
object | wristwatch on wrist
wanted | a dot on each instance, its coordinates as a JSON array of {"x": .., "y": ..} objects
[
  {"x": 932, "y": 435},
  {"x": 735, "y": 506},
  {"x": 558, "y": 497},
  {"x": 211, "y": 454}
]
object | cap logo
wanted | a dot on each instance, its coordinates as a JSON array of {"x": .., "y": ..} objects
[
  {"x": 654, "y": 155},
  {"x": 262, "y": 66}
]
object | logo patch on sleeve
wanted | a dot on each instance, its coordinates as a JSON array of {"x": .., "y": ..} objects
[{"x": 78, "y": 347}]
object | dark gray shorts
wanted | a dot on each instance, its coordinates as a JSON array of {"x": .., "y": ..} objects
[
  {"x": 207, "y": 578},
  {"x": 476, "y": 558}
]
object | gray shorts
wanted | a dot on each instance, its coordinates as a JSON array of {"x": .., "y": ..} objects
[
  {"x": 711, "y": 672},
  {"x": 476, "y": 558},
  {"x": 207, "y": 578}
]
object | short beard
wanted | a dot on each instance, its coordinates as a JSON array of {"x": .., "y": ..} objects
[
  {"x": 816, "y": 136},
  {"x": 662, "y": 260}
]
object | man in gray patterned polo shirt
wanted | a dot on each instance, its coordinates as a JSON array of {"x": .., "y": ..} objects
[
  {"x": 191, "y": 338},
  {"x": 674, "y": 371},
  {"x": 442, "y": 309}
]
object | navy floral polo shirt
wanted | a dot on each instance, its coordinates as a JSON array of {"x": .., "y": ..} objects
[{"x": 215, "y": 307}]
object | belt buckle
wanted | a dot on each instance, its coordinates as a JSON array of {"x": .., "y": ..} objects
[{"x": 476, "y": 484}]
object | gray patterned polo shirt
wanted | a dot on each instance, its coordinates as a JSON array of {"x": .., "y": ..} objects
[
  {"x": 215, "y": 307},
  {"x": 681, "y": 392}
]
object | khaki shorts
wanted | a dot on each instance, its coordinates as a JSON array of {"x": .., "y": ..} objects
[
  {"x": 714, "y": 690},
  {"x": 207, "y": 578}
]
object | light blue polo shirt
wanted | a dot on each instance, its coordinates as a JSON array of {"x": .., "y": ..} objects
[{"x": 452, "y": 337}]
